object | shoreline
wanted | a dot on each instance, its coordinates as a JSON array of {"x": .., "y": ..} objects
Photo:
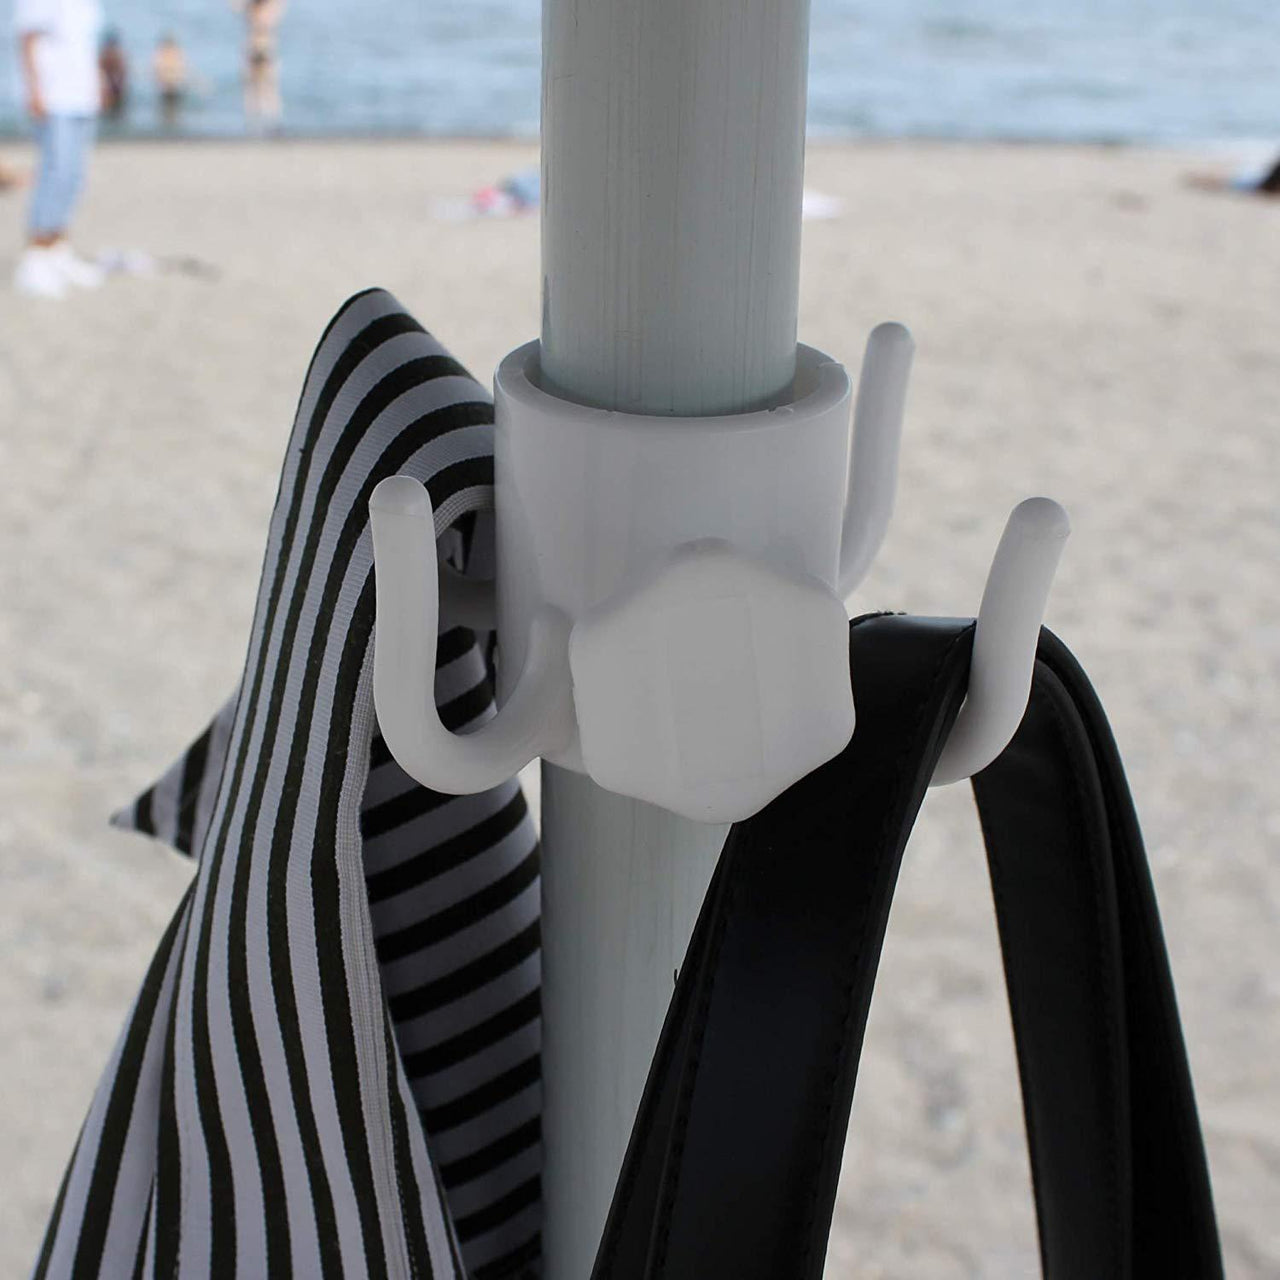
[{"x": 109, "y": 138}]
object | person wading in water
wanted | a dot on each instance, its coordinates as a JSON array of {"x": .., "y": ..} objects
[{"x": 262, "y": 102}]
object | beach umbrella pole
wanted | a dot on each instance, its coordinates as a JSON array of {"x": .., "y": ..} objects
[{"x": 672, "y": 154}]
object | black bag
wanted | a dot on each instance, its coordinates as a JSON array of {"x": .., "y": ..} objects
[{"x": 733, "y": 1161}]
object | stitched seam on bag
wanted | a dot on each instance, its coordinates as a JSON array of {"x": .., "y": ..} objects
[
  {"x": 1094, "y": 872},
  {"x": 836, "y": 1051}
]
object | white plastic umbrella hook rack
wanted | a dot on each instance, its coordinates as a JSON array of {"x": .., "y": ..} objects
[
  {"x": 700, "y": 666},
  {"x": 681, "y": 511}
]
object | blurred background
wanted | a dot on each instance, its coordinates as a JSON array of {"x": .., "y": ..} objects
[
  {"x": 1065, "y": 200},
  {"x": 1102, "y": 70}
]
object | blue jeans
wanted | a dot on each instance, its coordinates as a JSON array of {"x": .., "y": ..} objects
[{"x": 64, "y": 143}]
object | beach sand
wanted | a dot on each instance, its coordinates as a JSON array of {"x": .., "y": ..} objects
[{"x": 1088, "y": 328}]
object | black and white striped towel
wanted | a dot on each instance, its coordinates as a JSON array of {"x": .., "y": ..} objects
[{"x": 332, "y": 1066}]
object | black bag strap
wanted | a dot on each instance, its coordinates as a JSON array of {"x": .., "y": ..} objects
[
  {"x": 1122, "y": 1187},
  {"x": 734, "y": 1158}
]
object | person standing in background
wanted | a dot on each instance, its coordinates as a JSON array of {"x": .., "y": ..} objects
[
  {"x": 262, "y": 64},
  {"x": 114, "y": 66},
  {"x": 169, "y": 66},
  {"x": 58, "y": 48}
]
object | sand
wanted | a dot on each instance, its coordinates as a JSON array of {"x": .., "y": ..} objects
[{"x": 1088, "y": 328}]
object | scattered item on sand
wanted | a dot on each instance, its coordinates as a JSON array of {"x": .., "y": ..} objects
[
  {"x": 520, "y": 193},
  {"x": 186, "y": 265},
  {"x": 1130, "y": 201},
  {"x": 126, "y": 262},
  {"x": 137, "y": 262},
  {"x": 517, "y": 193},
  {"x": 1251, "y": 179}
]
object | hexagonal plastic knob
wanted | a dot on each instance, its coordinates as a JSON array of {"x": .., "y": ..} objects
[{"x": 713, "y": 685}]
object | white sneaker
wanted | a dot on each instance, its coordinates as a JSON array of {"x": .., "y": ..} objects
[
  {"x": 76, "y": 270},
  {"x": 39, "y": 274}
]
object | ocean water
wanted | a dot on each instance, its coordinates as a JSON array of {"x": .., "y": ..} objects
[{"x": 1162, "y": 71}]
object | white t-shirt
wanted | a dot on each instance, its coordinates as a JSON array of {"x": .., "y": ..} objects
[{"x": 66, "y": 52}]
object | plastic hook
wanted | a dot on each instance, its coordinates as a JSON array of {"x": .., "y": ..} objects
[
  {"x": 538, "y": 717},
  {"x": 467, "y": 602},
  {"x": 1004, "y": 644},
  {"x": 877, "y": 439},
  {"x": 536, "y": 720}
]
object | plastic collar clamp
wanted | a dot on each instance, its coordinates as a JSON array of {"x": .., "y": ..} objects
[{"x": 696, "y": 564}]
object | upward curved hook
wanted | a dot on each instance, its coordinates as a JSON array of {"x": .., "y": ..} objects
[
  {"x": 1004, "y": 643},
  {"x": 1018, "y": 584},
  {"x": 873, "y": 462},
  {"x": 536, "y": 720}
]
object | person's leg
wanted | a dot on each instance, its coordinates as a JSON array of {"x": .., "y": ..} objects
[
  {"x": 273, "y": 106},
  {"x": 251, "y": 89},
  {"x": 65, "y": 142},
  {"x": 80, "y": 133},
  {"x": 42, "y": 214},
  {"x": 38, "y": 271}
]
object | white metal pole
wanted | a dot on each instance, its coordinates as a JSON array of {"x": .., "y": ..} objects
[{"x": 673, "y": 155}]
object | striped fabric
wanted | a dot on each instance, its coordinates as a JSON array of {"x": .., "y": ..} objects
[{"x": 332, "y": 1067}]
